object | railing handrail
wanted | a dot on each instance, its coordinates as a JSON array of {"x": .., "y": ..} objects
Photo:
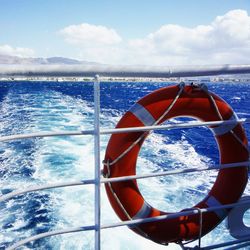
[
  {"x": 83, "y": 70},
  {"x": 122, "y": 178},
  {"x": 181, "y": 125},
  {"x": 136, "y": 222}
]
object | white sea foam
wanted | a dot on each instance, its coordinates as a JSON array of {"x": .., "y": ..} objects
[
  {"x": 236, "y": 98},
  {"x": 71, "y": 158}
]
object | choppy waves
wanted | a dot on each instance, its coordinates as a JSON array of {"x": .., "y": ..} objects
[{"x": 53, "y": 107}]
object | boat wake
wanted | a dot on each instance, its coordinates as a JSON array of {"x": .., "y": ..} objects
[{"x": 59, "y": 159}]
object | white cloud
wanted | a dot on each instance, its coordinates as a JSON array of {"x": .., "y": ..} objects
[
  {"x": 225, "y": 40},
  {"x": 11, "y": 51},
  {"x": 94, "y": 43},
  {"x": 90, "y": 35}
]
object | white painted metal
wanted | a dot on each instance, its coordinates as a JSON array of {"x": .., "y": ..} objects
[
  {"x": 48, "y": 234},
  {"x": 180, "y": 125},
  {"x": 119, "y": 71},
  {"x": 117, "y": 179},
  {"x": 97, "y": 163},
  {"x": 176, "y": 171},
  {"x": 43, "y": 187},
  {"x": 139, "y": 221}
]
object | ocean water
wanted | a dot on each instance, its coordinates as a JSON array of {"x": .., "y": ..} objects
[{"x": 59, "y": 106}]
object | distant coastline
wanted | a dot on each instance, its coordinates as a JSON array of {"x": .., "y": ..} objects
[
  {"x": 57, "y": 62},
  {"x": 131, "y": 79}
]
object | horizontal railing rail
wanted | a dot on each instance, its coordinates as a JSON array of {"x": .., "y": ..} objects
[
  {"x": 49, "y": 234},
  {"x": 141, "y": 221},
  {"x": 123, "y": 178},
  {"x": 120, "y": 71},
  {"x": 122, "y": 130}
]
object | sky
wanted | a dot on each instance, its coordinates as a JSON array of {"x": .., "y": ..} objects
[{"x": 128, "y": 32}]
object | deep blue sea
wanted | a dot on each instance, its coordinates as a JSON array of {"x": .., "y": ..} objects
[{"x": 59, "y": 106}]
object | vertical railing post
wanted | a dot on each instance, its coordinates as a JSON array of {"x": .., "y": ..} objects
[{"x": 97, "y": 162}]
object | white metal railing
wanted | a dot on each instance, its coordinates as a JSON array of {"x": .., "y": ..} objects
[
  {"x": 180, "y": 125},
  {"x": 140, "y": 221},
  {"x": 136, "y": 222},
  {"x": 119, "y": 71},
  {"x": 119, "y": 179},
  {"x": 25, "y": 71},
  {"x": 97, "y": 163}
]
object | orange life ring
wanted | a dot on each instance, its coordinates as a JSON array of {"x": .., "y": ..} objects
[{"x": 125, "y": 196}]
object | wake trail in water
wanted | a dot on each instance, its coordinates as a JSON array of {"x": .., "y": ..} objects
[{"x": 59, "y": 159}]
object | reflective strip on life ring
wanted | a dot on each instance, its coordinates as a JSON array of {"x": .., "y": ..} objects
[
  {"x": 142, "y": 114},
  {"x": 223, "y": 129},
  {"x": 212, "y": 202},
  {"x": 125, "y": 196}
]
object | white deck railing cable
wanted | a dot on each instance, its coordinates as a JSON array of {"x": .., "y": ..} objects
[{"x": 55, "y": 70}]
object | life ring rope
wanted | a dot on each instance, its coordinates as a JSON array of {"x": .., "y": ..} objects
[
  {"x": 140, "y": 213},
  {"x": 122, "y": 152},
  {"x": 220, "y": 130},
  {"x": 145, "y": 209},
  {"x": 229, "y": 128},
  {"x": 143, "y": 115}
]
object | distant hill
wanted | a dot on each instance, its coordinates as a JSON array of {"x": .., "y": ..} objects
[
  {"x": 5, "y": 59},
  {"x": 15, "y": 60}
]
